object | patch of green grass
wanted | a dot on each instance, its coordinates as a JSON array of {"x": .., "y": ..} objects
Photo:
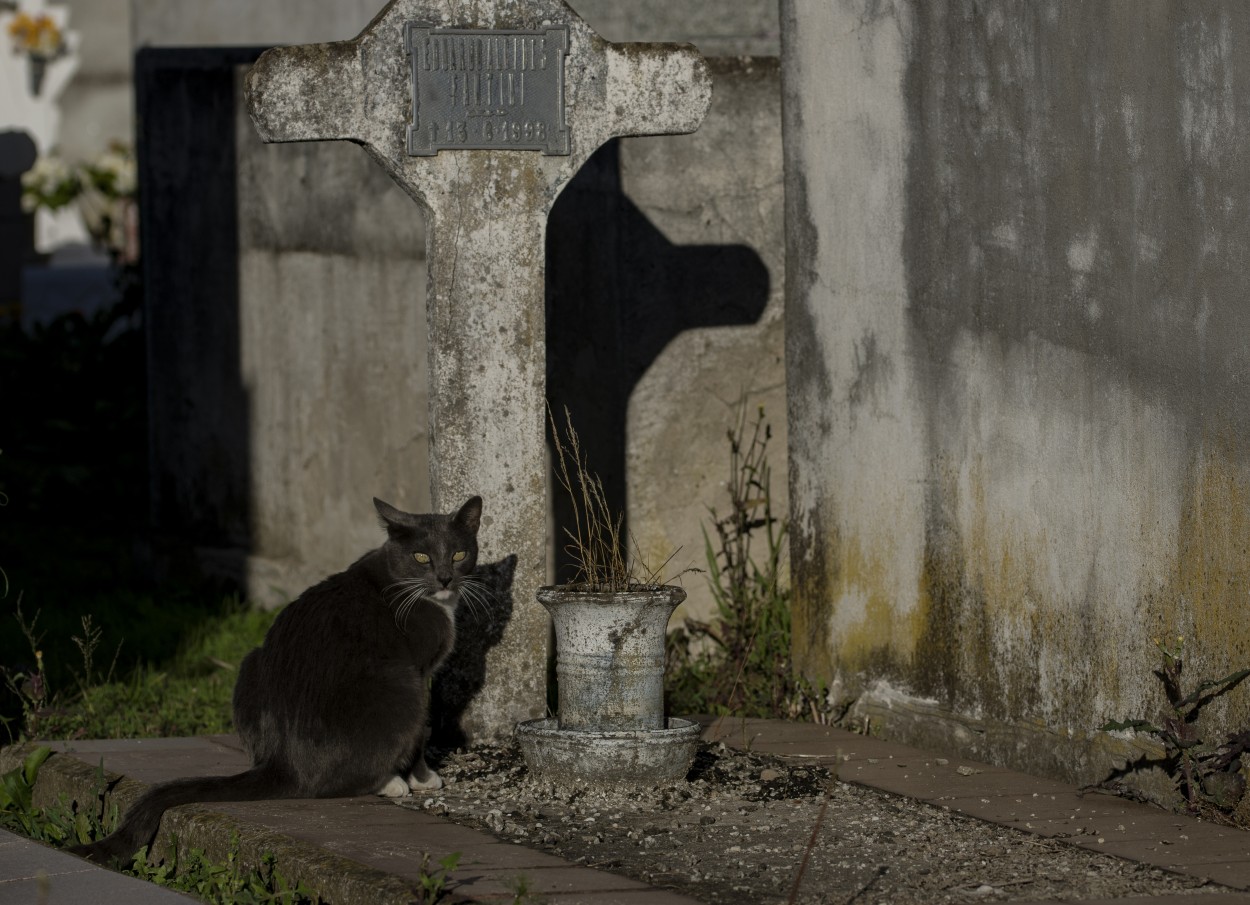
[
  {"x": 75, "y": 523},
  {"x": 65, "y": 575},
  {"x": 223, "y": 883},
  {"x": 68, "y": 570},
  {"x": 188, "y": 694}
]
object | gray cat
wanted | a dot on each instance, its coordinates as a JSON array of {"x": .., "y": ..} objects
[{"x": 335, "y": 702}]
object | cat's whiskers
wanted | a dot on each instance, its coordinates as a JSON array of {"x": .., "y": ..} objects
[
  {"x": 405, "y": 583},
  {"x": 405, "y": 594},
  {"x": 473, "y": 592},
  {"x": 412, "y": 591}
]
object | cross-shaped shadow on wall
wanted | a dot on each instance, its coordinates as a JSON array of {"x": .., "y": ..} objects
[{"x": 618, "y": 291}]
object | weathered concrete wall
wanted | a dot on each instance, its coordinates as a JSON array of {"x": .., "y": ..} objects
[
  {"x": 1017, "y": 360},
  {"x": 287, "y": 335},
  {"x": 332, "y": 352},
  {"x": 197, "y": 406},
  {"x": 665, "y": 279},
  {"x": 288, "y": 329},
  {"x": 719, "y": 28},
  {"x": 246, "y": 23},
  {"x": 329, "y": 253},
  {"x": 97, "y": 106},
  {"x": 720, "y": 190}
]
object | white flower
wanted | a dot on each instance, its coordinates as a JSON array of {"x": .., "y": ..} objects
[
  {"x": 115, "y": 172},
  {"x": 47, "y": 173},
  {"x": 49, "y": 183}
]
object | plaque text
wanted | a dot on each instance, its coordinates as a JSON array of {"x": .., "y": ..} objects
[{"x": 487, "y": 89}]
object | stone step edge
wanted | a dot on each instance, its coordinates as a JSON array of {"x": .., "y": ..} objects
[{"x": 335, "y": 878}]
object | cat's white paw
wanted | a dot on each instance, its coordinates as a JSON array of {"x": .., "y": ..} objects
[
  {"x": 394, "y": 788},
  {"x": 433, "y": 781}
]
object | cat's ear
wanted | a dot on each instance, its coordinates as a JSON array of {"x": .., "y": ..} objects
[
  {"x": 390, "y": 517},
  {"x": 470, "y": 515}
]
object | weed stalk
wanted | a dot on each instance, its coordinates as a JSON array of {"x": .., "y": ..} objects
[{"x": 1209, "y": 776}]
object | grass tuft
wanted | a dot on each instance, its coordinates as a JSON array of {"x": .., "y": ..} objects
[
  {"x": 65, "y": 824},
  {"x": 189, "y": 694}
]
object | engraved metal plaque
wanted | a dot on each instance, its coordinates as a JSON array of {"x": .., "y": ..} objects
[{"x": 487, "y": 89}]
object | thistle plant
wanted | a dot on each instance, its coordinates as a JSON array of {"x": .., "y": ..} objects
[
  {"x": 1209, "y": 776},
  {"x": 28, "y": 685},
  {"x": 434, "y": 881}
]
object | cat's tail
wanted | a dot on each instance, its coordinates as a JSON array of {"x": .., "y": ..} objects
[{"x": 144, "y": 816}]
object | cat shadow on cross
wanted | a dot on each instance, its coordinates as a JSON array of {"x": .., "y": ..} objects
[{"x": 463, "y": 673}]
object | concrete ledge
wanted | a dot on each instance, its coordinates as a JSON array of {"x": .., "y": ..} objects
[
  {"x": 1082, "y": 758},
  {"x": 351, "y": 850},
  {"x": 195, "y": 826}
]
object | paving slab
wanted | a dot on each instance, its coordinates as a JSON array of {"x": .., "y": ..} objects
[
  {"x": 1066, "y": 814},
  {"x": 1186, "y": 852},
  {"x": 795, "y": 739},
  {"x": 1232, "y": 874},
  {"x": 1009, "y": 798},
  {"x": 32, "y": 872},
  {"x": 373, "y": 831},
  {"x": 933, "y": 782},
  {"x": 369, "y": 844}
]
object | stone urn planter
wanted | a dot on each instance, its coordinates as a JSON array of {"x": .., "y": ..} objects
[
  {"x": 609, "y": 629},
  {"x": 610, "y": 726}
]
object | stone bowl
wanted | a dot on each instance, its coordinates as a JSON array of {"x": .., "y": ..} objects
[{"x": 648, "y": 757}]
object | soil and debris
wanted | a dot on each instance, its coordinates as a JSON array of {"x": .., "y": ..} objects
[{"x": 746, "y": 827}]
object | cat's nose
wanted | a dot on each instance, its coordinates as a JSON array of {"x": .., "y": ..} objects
[{"x": 444, "y": 581}]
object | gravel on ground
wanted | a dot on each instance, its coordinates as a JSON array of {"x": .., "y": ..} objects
[{"x": 747, "y": 827}]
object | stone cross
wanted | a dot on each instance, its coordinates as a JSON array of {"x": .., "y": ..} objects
[{"x": 483, "y": 110}]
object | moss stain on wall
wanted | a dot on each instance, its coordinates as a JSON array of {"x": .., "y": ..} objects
[
  {"x": 868, "y": 625},
  {"x": 813, "y": 573},
  {"x": 1207, "y": 599}
]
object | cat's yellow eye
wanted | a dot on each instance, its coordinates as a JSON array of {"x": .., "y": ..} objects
[
  {"x": 421, "y": 557},
  {"x": 457, "y": 557}
]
